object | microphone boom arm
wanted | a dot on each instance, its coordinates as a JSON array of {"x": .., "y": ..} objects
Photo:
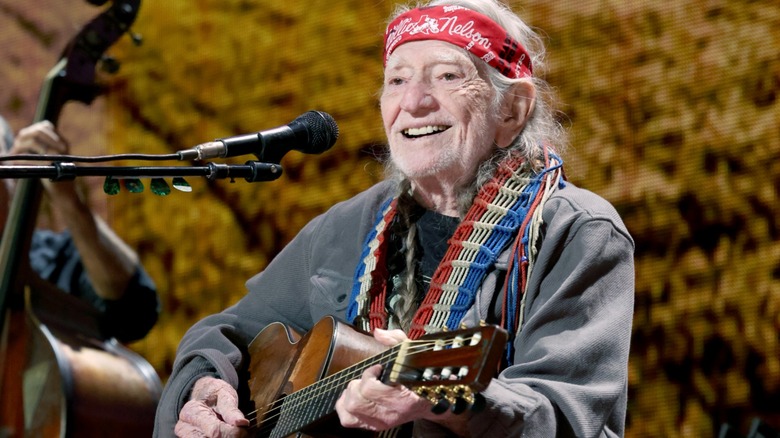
[{"x": 252, "y": 171}]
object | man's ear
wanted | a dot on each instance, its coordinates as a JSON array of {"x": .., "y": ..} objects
[{"x": 517, "y": 107}]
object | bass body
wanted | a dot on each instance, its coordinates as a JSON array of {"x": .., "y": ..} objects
[{"x": 62, "y": 378}]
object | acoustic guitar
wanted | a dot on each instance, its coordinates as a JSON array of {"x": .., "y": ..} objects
[
  {"x": 60, "y": 375},
  {"x": 295, "y": 381}
]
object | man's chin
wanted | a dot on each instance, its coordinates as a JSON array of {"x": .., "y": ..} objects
[{"x": 413, "y": 167}]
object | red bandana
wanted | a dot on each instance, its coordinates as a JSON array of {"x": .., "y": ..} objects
[{"x": 464, "y": 28}]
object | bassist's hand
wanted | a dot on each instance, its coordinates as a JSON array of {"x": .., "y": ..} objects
[{"x": 212, "y": 412}]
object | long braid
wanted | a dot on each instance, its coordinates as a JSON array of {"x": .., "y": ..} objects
[{"x": 408, "y": 292}]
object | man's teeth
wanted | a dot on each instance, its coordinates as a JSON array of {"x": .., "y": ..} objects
[{"x": 425, "y": 130}]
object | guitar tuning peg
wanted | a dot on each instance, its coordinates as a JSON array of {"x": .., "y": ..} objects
[
  {"x": 479, "y": 403},
  {"x": 441, "y": 406},
  {"x": 463, "y": 326},
  {"x": 465, "y": 393},
  {"x": 459, "y": 406},
  {"x": 436, "y": 396},
  {"x": 482, "y": 323},
  {"x": 423, "y": 392}
]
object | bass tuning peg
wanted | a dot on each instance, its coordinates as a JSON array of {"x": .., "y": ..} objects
[
  {"x": 109, "y": 64},
  {"x": 137, "y": 38}
]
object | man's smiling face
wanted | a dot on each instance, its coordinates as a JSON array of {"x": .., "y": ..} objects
[{"x": 437, "y": 111}]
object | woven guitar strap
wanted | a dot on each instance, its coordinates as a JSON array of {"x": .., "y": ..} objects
[{"x": 503, "y": 212}]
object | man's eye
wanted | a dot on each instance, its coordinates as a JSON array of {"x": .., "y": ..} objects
[
  {"x": 395, "y": 81},
  {"x": 449, "y": 76}
]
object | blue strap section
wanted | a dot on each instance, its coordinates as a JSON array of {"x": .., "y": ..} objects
[
  {"x": 513, "y": 279},
  {"x": 361, "y": 267}
]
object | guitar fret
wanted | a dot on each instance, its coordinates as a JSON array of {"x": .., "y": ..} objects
[{"x": 282, "y": 428}]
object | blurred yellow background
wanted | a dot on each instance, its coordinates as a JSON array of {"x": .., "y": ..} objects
[{"x": 673, "y": 108}]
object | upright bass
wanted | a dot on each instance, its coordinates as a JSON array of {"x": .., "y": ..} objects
[{"x": 60, "y": 375}]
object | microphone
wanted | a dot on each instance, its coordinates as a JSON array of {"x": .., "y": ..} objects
[{"x": 313, "y": 132}]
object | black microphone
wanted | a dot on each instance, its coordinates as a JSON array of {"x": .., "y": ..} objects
[{"x": 313, "y": 132}]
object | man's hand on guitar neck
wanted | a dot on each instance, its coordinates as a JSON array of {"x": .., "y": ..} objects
[
  {"x": 370, "y": 404},
  {"x": 212, "y": 412}
]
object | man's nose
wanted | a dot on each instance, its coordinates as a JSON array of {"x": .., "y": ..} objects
[{"x": 418, "y": 97}]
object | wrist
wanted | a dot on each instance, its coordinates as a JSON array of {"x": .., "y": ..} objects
[{"x": 64, "y": 198}]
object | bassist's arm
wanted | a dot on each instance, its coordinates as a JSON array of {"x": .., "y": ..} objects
[
  {"x": 109, "y": 262},
  {"x": 90, "y": 260}
]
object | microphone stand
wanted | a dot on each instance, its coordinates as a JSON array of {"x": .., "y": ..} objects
[{"x": 252, "y": 171}]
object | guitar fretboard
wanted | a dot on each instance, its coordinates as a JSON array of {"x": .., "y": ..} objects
[{"x": 314, "y": 402}]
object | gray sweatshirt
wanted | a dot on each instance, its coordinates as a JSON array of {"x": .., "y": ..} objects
[{"x": 569, "y": 376}]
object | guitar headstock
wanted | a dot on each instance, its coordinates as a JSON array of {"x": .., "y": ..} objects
[{"x": 449, "y": 368}]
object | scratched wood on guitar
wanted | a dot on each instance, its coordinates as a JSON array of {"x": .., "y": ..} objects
[{"x": 294, "y": 381}]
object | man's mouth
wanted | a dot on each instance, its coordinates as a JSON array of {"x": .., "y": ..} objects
[{"x": 423, "y": 131}]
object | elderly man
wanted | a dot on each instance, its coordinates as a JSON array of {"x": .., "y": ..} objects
[{"x": 475, "y": 224}]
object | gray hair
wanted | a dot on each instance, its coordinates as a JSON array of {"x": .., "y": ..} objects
[
  {"x": 542, "y": 132},
  {"x": 542, "y": 128}
]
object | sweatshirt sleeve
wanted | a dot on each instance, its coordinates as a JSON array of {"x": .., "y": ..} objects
[
  {"x": 218, "y": 344},
  {"x": 308, "y": 279},
  {"x": 569, "y": 376}
]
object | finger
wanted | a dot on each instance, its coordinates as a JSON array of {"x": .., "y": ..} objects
[
  {"x": 186, "y": 430},
  {"x": 204, "y": 420},
  {"x": 50, "y": 140},
  {"x": 40, "y": 138},
  {"x": 372, "y": 373},
  {"x": 223, "y": 430},
  {"x": 352, "y": 397},
  {"x": 390, "y": 337},
  {"x": 208, "y": 389},
  {"x": 196, "y": 412},
  {"x": 227, "y": 407},
  {"x": 349, "y": 408},
  {"x": 222, "y": 397}
]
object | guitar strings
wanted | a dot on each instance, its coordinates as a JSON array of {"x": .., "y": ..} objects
[
  {"x": 324, "y": 386},
  {"x": 274, "y": 409},
  {"x": 337, "y": 380}
]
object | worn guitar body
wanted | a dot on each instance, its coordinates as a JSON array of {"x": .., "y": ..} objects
[
  {"x": 295, "y": 381},
  {"x": 284, "y": 362}
]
